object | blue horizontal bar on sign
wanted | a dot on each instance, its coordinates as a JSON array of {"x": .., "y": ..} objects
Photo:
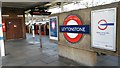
[
  {"x": 0, "y": 25},
  {"x": 83, "y": 29},
  {"x": 1, "y": 38},
  {"x": 108, "y": 24}
]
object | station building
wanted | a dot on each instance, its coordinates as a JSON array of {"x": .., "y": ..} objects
[{"x": 84, "y": 33}]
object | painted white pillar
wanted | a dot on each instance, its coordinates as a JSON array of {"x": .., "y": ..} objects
[
  {"x": 1, "y": 35},
  {"x": 33, "y": 30}
]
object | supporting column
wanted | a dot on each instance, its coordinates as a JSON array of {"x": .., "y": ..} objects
[
  {"x": 33, "y": 31},
  {"x": 1, "y": 35}
]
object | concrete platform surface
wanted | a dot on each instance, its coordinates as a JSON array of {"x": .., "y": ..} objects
[{"x": 23, "y": 52}]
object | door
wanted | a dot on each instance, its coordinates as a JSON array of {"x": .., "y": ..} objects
[{"x": 13, "y": 28}]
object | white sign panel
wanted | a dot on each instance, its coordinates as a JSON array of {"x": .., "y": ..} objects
[
  {"x": 53, "y": 25},
  {"x": 103, "y": 29}
]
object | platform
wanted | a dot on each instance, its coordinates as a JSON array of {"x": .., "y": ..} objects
[{"x": 22, "y": 53}]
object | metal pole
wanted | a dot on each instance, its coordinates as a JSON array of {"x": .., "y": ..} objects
[
  {"x": 40, "y": 36},
  {"x": 29, "y": 28}
]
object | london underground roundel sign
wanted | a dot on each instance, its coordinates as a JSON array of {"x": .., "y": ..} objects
[
  {"x": 72, "y": 20},
  {"x": 103, "y": 27}
]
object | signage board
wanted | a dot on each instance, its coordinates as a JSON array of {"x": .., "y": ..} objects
[
  {"x": 39, "y": 13},
  {"x": 73, "y": 29},
  {"x": 83, "y": 29},
  {"x": 53, "y": 31},
  {"x": 103, "y": 29}
]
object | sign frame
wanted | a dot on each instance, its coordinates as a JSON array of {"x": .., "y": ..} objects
[
  {"x": 114, "y": 28},
  {"x": 51, "y": 37}
]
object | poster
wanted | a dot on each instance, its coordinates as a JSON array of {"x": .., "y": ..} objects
[
  {"x": 103, "y": 29},
  {"x": 53, "y": 23}
]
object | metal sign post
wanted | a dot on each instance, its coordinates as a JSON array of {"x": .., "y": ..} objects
[{"x": 40, "y": 36}]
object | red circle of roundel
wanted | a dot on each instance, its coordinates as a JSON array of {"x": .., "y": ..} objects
[
  {"x": 100, "y": 22},
  {"x": 78, "y": 37}
]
